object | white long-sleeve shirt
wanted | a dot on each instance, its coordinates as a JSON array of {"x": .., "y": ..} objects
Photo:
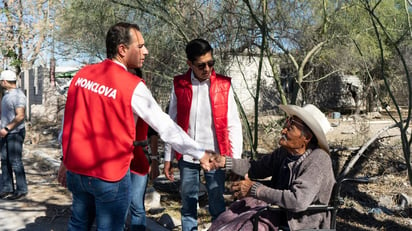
[
  {"x": 146, "y": 107},
  {"x": 201, "y": 125}
]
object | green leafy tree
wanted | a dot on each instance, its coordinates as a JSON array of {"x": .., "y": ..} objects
[{"x": 392, "y": 36}]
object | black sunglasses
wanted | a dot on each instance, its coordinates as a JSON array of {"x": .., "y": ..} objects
[{"x": 202, "y": 66}]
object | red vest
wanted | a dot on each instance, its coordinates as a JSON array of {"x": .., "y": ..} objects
[
  {"x": 219, "y": 93},
  {"x": 99, "y": 127}
]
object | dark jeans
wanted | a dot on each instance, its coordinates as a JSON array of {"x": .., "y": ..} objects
[
  {"x": 190, "y": 181},
  {"x": 137, "y": 209},
  {"x": 11, "y": 161},
  {"x": 107, "y": 202}
]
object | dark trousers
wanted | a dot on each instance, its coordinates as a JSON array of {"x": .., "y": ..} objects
[{"x": 11, "y": 161}]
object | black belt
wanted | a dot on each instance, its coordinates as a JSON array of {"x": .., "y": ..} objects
[{"x": 141, "y": 143}]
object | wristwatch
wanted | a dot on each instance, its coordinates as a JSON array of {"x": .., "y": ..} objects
[{"x": 7, "y": 129}]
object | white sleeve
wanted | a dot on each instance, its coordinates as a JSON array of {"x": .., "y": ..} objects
[
  {"x": 169, "y": 153},
  {"x": 234, "y": 127},
  {"x": 145, "y": 106}
]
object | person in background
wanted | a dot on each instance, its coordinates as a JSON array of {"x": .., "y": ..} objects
[
  {"x": 202, "y": 103},
  {"x": 301, "y": 175},
  {"x": 106, "y": 105},
  {"x": 140, "y": 171},
  {"x": 13, "y": 132}
]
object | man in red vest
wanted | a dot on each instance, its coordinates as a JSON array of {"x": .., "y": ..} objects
[
  {"x": 107, "y": 109},
  {"x": 202, "y": 103}
]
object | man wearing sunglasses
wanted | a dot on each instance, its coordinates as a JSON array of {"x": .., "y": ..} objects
[
  {"x": 202, "y": 103},
  {"x": 300, "y": 171}
]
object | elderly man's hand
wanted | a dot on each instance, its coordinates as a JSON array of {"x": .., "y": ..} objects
[{"x": 242, "y": 188}]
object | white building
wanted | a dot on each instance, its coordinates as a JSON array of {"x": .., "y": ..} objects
[{"x": 244, "y": 73}]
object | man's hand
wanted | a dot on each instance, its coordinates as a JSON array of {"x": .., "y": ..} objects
[
  {"x": 168, "y": 171},
  {"x": 242, "y": 188},
  {"x": 154, "y": 170},
  {"x": 205, "y": 162},
  {"x": 218, "y": 161},
  {"x": 3, "y": 132},
  {"x": 61, "y": 175}
]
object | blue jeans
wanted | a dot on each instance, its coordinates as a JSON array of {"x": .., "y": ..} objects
[
  {"x": 137, "y": 209},
  {"x": 190, "y": 180},
  {"x": 107, "y": 202},
  {"x": 11, "y": 161}
]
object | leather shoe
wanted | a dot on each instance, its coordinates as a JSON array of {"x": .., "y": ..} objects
[
  {"x": 3, "y": 195},
  {"x": 16, "y": 196}
]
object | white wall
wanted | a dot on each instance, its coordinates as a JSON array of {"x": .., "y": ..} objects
[{"x": 244, "y": 72}]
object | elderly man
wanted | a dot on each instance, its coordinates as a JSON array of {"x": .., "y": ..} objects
[{"x": 300, "y": 170}]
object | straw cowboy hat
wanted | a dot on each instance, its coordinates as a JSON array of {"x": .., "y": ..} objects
[{"x": 314, "y": 119}]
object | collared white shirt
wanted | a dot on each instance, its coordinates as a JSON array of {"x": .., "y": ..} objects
[
  {"x": 201, "y": 125},
  {"x": 146, "y": 107}
]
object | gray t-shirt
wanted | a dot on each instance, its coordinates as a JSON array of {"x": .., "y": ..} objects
[{"x": 12, "y": 99}]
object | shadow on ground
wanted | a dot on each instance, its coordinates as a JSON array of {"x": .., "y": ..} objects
[
  {"x": 355, "y": 221},
  {"x": 56, "y": 218}
]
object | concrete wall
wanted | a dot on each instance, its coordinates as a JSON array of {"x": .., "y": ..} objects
[
  {"x": 244, "y": 72},
  {"x": 31, "y": 82}
]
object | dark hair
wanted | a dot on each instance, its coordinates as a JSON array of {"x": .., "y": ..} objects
[
  {"x": 196, "y": 48},
  {"x": 118, "y": 34}
]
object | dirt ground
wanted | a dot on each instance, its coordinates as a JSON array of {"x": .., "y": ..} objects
[{"x": 377, "y": 205}]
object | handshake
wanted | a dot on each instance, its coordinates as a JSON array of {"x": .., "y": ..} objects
[{"x": 211, "y": 160}]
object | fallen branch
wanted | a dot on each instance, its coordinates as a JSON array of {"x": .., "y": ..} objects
[{"x": 363, "y": 149}]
